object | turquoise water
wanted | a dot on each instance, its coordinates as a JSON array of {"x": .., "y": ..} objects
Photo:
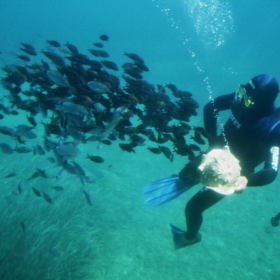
[{"x": 205, "y": 47}]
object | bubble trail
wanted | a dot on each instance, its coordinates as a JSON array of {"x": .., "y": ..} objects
[{"x": 213, "y": 22}]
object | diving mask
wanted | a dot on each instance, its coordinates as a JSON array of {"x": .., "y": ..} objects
[{"x": 242, "y": 96}]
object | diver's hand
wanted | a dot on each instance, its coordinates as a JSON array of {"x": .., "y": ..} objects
[{"x": 241, "y": 184}]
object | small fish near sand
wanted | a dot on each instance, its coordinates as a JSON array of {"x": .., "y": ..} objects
[
  {"x": 10, "y": 175},
  {"x": 7, "y": 131},
  {"x": 47, "y": 198},
  {"x": 23, "y": 150},
  {"x": 88, "y": 198},
  {"x": 96, "y": 159},
  {"x": 36, "y": 192},
  {"x": 167, "y": 152},
  {"x": 58, "y": 188},
  {"x": 6, "y": 148},
  {"x": 19, "y": 188}
]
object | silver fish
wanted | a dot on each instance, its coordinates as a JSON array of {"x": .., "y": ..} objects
[
  {"x": 65, "y": 150},
  {"x": 58, "y": 78},
  {"x": 72, "y": 108},
  {"x": 98, "y": 87}
]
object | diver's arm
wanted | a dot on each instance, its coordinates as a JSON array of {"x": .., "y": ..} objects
[
  {"x": 268, "y": 174},
  {"x": 211, "y": 111}
]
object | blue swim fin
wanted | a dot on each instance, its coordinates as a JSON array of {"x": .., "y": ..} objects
[
  {"x": 162, "y": 191},
  {"x": 176, "y": 230},
  {"x": 180, "y": 240}
]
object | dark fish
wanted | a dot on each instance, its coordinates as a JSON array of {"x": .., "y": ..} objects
[
  {"x": 88, "y": 198},
  {"x": 183, "y": 149},
  {"x": 166, "y": 151},
  {"x": 201, "y": 130},
  {"x": 19, "y": 188},
  {"x": 104, "y": 37},
  {"x": 51, "y": 159},
  {"x": 40, "y": 150},
  {"x": 79, "y": 170},
  {"x": 133, "y": 74},
  {"x": 10, "y": 175},
  {"x": 94, "y": 52},
  {"x": 7, "y": 131},
  {"x": 195, "y": 147},
  {"x": 42, "y": 173},
  {"x": 150, "y": 134},
  {"x": 110, "y": 65},
  {"x": 99, "y": 53},
  {"x": 54, "y": 43},
  {"x": 30, "y": 135},
  {"x": 128, "y": 147},
  {"x": 134, "y": 57},
  {"x": 20, "y": 140},
  {"x": 161, "y": 139},
  {"x": 23, "y": 57},
  {"x": 103, "y": 54},
  {"x": 6, "y": 148},
  {"x": 5, "y": 109},
  {"x": 28, "y": 46},
  {"x": 23, "y": 129},
  {"x": 60, "y": 173},
  {"x": 275, "y": 220},
  {"x": 29, "y": 51},
  {"x": 47, "y": 197},
  {"x": 1, "y": 116},
  {"x": 137, "y": 139},
  {"x": 127, "y": 65},
  {"x": 98, "y": 45},
  {"x": 55, "y": 58},
  {"x": 142, "y": 66},
  {"x": 24, "y": 71},
  {"x": 154, "y": 150},
  {"x": 106, "y": 141},
  {"x": 22, "y": 225},
  {"x": 197, "y": 138},
  {"x": 36, "y": 192},
  {"x": 23, "y": 150},
  {"x": 53, "y": 128},
  {"x": 58, "y": 188},
  {"x": 73, "y": 49},
  {"x": 34, "y": 175},
  {"x": 97, "y": 159},
  {"x": 14, "y": 112},
  {"x": 69, "y": 168},
  {"x": 31, "y": 120}
]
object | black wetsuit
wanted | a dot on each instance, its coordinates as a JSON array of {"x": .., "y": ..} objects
[{"x": 253, "y": 137}]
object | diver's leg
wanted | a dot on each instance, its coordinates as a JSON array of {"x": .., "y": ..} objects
[{"x": 204, "y": 199}]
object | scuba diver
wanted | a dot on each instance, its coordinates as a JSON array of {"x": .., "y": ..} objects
[{"x": 252, "y": 133}]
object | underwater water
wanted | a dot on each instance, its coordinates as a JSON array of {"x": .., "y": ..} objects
[{"x": 60, "y": 227}]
